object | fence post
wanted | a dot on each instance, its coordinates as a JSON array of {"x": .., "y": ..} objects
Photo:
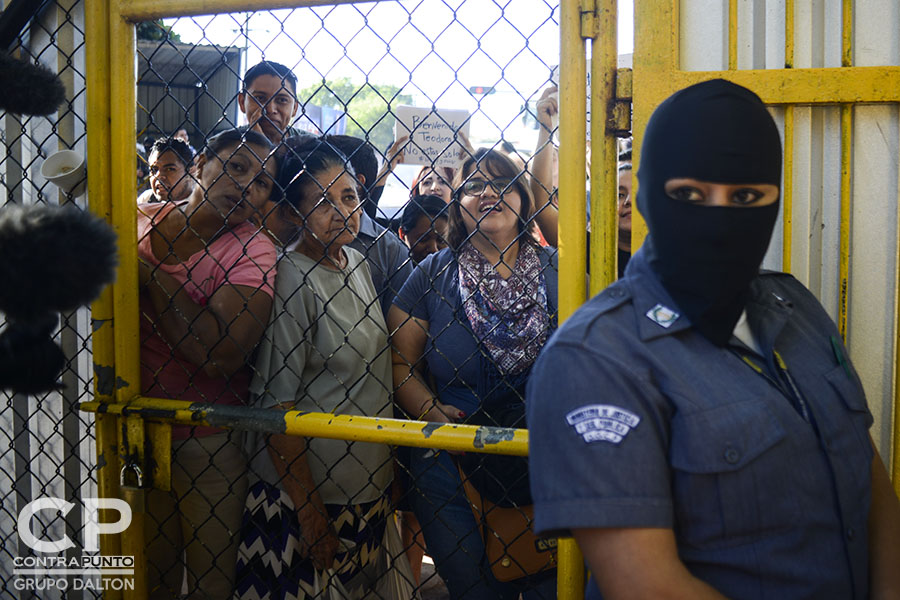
[
  {"x": 97, "y": 83},
  {"x": 572, "y": 222}
]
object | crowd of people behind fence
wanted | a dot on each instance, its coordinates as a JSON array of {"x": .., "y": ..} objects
[{"x": 270, "y": 280}]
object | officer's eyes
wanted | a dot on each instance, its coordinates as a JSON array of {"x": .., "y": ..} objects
[
  {"x": 746, "y": 196},
  {"x": 686, "y": 193}
]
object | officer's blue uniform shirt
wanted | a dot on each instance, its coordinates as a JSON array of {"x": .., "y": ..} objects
[{"x": 636, "y": 420}]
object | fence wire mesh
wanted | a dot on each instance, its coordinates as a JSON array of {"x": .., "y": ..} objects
[{"x": 285, "y": 268}]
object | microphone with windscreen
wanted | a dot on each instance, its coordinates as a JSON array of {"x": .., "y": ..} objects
[
  {"x": 54, "y": 259},
  {"x": 28, "y": 88}
]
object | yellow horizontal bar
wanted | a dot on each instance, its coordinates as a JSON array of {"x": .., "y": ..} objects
[
  {"x": 421, "y": 434},
  {"x": 148, "y": 10},
  {"x": 788, "y": 86}
]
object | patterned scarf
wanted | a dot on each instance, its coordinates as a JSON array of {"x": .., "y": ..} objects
[{"x": 509, "y": 316}]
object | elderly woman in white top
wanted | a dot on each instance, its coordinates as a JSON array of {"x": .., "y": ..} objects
[{"x": 320, "y": 505}]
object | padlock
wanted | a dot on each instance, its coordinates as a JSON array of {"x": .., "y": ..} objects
[{"x": 135, "y": 494}]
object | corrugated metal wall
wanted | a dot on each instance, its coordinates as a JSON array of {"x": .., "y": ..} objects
[{"x": 194, "y": 87}]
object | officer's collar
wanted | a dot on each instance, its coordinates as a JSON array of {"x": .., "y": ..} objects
[
  {"x": 767, "y": 312},
  {"x": 656, "y": 313}
]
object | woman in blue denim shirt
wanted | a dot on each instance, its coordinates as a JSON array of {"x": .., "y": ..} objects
[{"x": 471, "y": 316}]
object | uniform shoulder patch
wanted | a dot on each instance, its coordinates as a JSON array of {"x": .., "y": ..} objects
[{"x": 602, "y": 422}]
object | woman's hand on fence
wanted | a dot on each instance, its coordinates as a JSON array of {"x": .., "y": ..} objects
[
  {"x": 439, "y": 412},
  {"x": 318, "y": 541}
]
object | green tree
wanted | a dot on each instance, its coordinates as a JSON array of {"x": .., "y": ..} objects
[
  {"x": 368, "y": 106},
  {"x": 156, "y": 31}
]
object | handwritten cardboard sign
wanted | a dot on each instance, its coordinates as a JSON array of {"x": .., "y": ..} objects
[{"x": 432, "y": 135}]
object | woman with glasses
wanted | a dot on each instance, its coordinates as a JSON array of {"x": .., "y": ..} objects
[
  {"x": 470, "y": 321},
  {"x": 319, "y": 506}
]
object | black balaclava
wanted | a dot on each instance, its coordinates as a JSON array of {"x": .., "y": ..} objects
[{"x": 707, "y": 257}]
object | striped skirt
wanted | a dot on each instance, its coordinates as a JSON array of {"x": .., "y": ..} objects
[{"x": 269, "y": 563}]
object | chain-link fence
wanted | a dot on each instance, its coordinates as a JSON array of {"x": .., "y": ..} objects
[
  {"x": 323, "y": 297},
  {"x": 289, "y": 266},
  {"x": 402, "y": 93}
]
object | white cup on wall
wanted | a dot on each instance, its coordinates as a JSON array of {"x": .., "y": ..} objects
[{"x": 66, "y": 170}]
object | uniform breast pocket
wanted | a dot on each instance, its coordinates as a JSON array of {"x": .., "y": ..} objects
[{"x": 729, "y": 474}]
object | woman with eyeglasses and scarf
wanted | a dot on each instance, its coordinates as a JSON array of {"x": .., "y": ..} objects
[
  {"x": 467, "y": 326},
  {"x": 698, "y": 426}
]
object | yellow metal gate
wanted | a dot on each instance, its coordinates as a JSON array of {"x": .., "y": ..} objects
[
  {"x": 657, "y": 73},
  {"x": 828, "y": 95},
  {"x": 136, "y": 431}
]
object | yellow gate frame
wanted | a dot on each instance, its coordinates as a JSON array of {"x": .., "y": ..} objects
[
  {"x": 656, "y": 75},
  {"x": 121, "y": 428}
]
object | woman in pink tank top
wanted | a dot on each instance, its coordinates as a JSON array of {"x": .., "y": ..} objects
[{"x": 205, "y": 272}]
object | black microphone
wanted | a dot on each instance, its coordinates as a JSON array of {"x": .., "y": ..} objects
[
  {"x": 54, "y": 259},
  {"x": 28, "y": 88}
]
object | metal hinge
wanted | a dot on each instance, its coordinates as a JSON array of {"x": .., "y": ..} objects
[
  {"x": 620, "y": 121},
  {"x": 589, "y": 22}
]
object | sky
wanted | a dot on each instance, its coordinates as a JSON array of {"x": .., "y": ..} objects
[{"x": 434, "y": 49}]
